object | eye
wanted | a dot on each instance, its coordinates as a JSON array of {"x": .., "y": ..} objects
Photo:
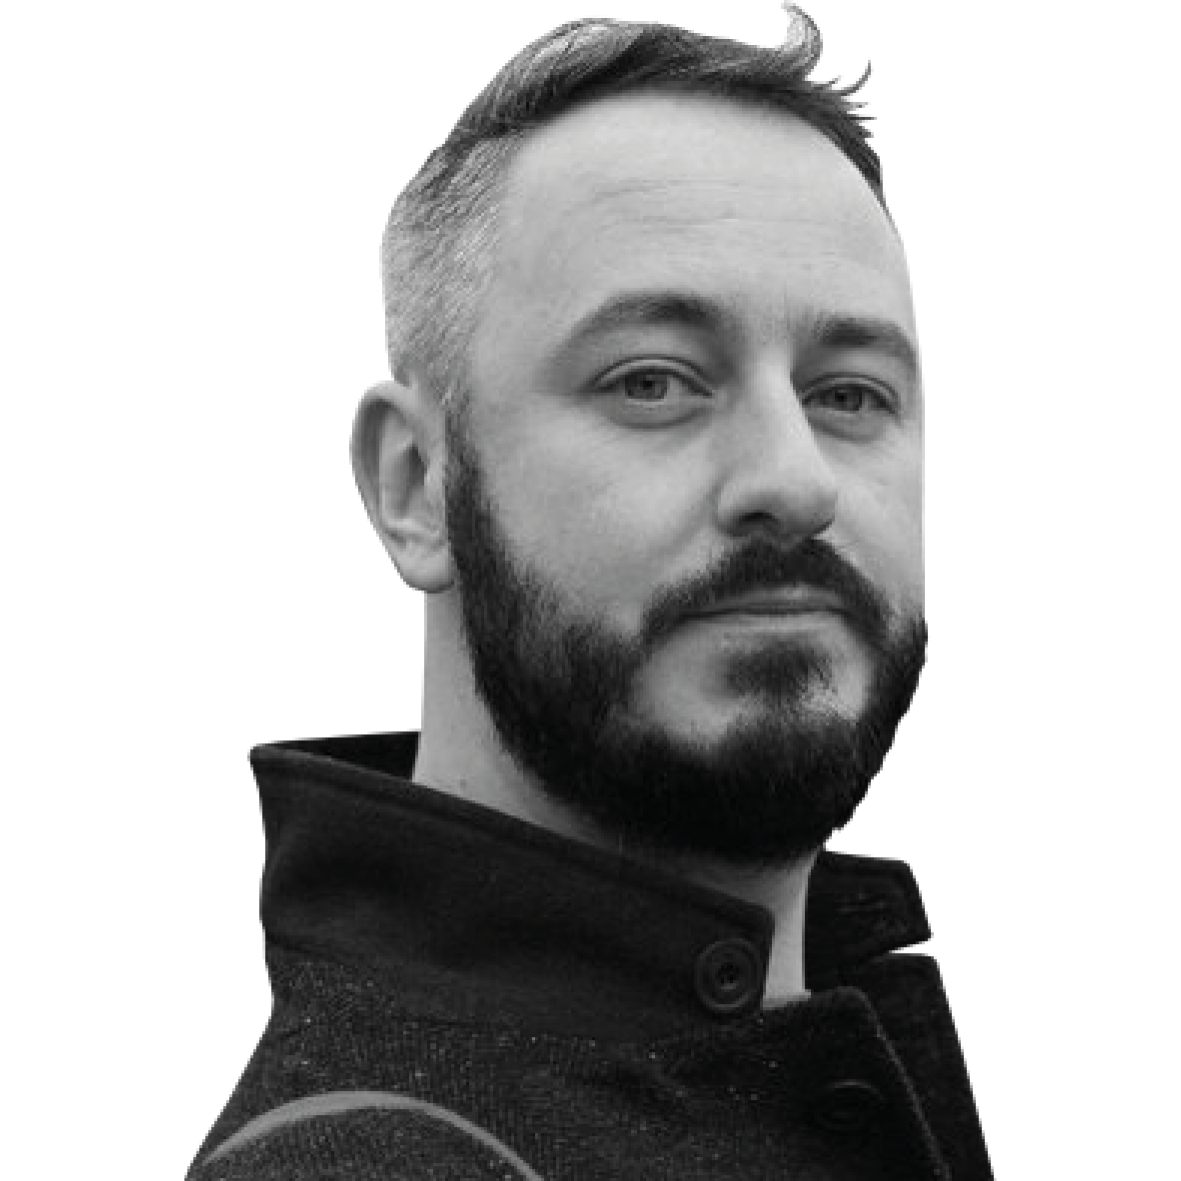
[
  {"x": 845, "y": 397},
  {"x": 651, "y": 386},
  {"x": 851, "y": 408},
  {"x": 646, "y": 385}
]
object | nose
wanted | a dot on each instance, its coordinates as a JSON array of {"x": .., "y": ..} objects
[{"x": 777, "y": 478}]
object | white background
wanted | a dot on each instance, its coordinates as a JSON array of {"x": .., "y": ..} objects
[{"x": 188, "y": 249}]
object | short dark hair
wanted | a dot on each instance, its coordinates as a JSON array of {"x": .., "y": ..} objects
[{"x": 437, "y": 248}]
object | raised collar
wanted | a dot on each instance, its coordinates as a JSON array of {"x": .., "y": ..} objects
[{"x": 366, "y": 868}]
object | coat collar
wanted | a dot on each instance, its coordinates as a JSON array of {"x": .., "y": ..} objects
[{"x": 365, "y": 867}]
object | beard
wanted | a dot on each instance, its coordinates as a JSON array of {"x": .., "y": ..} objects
[{"x": 559, "y": 687}]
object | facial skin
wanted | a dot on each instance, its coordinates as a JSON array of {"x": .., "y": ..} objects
[
  {"x": 559, "y": 687},
  {"x": 691, "y": 457},
  {"x": 671, "y": 548}
]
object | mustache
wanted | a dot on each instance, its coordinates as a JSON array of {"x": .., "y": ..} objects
[{"x": 763, "y": 566}]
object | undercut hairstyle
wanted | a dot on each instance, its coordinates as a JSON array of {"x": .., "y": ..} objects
[{"x": 438, "y": 247}]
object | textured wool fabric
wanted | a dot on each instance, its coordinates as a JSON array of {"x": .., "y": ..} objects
[{"x": 460, "y": 995}]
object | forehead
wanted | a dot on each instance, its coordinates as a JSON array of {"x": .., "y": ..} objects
[{"x": 668, "y": 191}]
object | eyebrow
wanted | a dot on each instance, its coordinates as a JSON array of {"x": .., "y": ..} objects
[
  {"x": 653, "y": 309},
  {"x": 677, "y": 309},
  {"x": 838, "y": 332}
]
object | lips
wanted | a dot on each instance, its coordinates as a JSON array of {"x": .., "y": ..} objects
[{"x": 786, "y": 603}]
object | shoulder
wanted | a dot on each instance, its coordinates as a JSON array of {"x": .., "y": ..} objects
[{"x": 364, "y": 1136}]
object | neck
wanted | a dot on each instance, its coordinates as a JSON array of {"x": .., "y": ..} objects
[{"x": 780, "y": 889}]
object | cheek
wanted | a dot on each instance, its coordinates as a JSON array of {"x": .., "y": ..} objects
[
  {"x": 607, "y": 529},
  {"x": 883, "y": 522}
]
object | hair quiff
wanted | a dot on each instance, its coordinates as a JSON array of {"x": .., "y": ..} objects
[{"x": 438, "y": 245}]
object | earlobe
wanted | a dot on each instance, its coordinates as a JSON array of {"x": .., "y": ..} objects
[{"x": 397, "y": 454}]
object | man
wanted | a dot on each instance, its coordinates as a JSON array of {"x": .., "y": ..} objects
[{"x": 652, "y": 451}]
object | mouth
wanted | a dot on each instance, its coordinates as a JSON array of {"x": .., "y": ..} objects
[{"x": 776, "y": 604}]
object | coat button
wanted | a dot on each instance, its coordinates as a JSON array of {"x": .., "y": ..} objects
[
  {"x": 849, "y": 1105},
  {"x": 729, "y": 976}
]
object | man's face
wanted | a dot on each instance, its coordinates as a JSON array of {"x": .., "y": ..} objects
[{"x": 685, "y": 496}]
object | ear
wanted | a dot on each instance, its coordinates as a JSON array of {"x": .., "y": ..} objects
[{"x": 398, "y": 456}]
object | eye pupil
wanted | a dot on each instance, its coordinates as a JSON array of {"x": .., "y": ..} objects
[
  {"x": 646, "y": 387},
  {"x": 847, "y": 398}
]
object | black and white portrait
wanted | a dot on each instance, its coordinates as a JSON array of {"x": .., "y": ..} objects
[{"x": 643, "y": 519}]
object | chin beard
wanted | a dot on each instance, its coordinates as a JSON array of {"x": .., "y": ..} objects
[{"x": 559, "y": 688}]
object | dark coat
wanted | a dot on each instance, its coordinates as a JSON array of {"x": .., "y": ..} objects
[{"x": 461, "y": 995}]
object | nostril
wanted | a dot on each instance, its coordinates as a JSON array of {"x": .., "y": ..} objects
[{"x": 794, "y": 508}]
